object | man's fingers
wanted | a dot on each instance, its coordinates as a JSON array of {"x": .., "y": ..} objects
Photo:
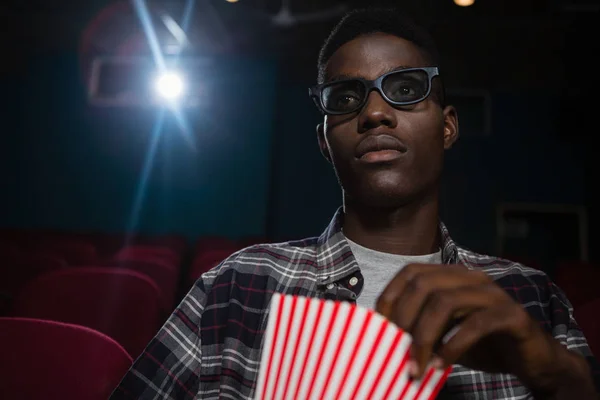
[
  {"x": 412, "y": 275},
  {"x": 425, "y": 300},
  {"x": 387, "y": 298},
  {"x": 441, "y": 311},
  {"x": 410, "y": 302},
  {"x": 501, "y": 319}
]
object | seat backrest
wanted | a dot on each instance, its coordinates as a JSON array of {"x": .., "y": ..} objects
[
  {"x": 52, "y": 360},
  {"x": 174, "y": 242},
  {"x": 207, "y": 243},
  {"x": 122, "y": 304},
  {"x": 107, "y": 244},
  {"x": 579, "y": 281},
  {"x": 588, "y": 317},
  {"x": 162, "y": 274},
  {"x": 206, "y": 261},
  {"x": 143, "y": 252},
  {"x": 73, "y": 251},
  {"x": 10, "y": 253},
  {"x": 28, "y": 268}
]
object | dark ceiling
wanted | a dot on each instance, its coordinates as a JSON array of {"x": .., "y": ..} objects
[{"x": 514, "y": 43}]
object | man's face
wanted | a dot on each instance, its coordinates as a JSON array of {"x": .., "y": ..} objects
[{"x": 410, "y": 140}]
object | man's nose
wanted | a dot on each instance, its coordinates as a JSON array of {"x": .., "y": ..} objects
[{"x": 376, "y": 112}]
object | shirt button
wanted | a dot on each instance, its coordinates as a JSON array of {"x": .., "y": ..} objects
[
  {"x": 353, "y": 281},
  {"x": 330, "y": 286}
]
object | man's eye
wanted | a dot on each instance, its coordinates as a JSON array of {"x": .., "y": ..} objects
[
  {"x": 405, "y": 91},
  {"x": 346, "y": 100}
]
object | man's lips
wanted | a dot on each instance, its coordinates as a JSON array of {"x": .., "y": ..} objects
[{"x": 376, "y": 148}]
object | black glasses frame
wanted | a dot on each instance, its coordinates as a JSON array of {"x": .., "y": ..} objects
[{"x": 316, "y": 92}]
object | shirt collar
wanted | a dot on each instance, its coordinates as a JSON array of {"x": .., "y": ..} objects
[{"x": 335, "y": 259}]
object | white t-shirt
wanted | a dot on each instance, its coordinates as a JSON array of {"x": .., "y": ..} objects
[{"x": 379, "y": 268}]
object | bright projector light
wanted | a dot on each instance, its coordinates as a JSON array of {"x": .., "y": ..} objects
[{"x": 169, "y": 85}]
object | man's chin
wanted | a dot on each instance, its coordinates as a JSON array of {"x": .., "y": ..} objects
[
  {"x": 383, "y": 196},
  {"x": 382, "y": 188}
]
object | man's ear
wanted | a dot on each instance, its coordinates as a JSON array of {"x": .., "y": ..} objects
[
  {"x": 322, "y": 142},
  {"x": 450, "y": 126}
]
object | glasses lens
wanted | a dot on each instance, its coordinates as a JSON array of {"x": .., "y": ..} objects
[
  {"x": 406, "y": 86},
  {"x": 343, "y": 97}
]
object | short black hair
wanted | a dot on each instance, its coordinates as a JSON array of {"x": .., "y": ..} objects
[{"x": 376, "y": 20}]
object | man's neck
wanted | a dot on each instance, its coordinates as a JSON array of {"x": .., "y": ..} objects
[{"x": 412, "y": 229}]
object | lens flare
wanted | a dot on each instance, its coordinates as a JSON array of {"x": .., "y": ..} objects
[
  {"x": 464, "y": 3},
  {"x": 169, "y": 85}
]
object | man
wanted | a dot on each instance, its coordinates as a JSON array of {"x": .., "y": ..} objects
[{"x": 509, "y": 331}]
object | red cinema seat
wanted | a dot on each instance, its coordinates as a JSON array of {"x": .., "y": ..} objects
[
  {"x": 145, "y": 257},
  {"x": 28, "y": 268},
  {"x": 72, "y": 251},
  {"x": 162, "y": 273},
  {"x": 174, "y": 242},
  {"x": 107, "y": 244},
  {"x": 588, "y": 317},
  {"x": 148, "y": 252},
  {"x": 9, "y": 253},
  {"x": 9, "y": 257},
  {"x": 215, "y": 243},
  {"x": 53, "y": 360},
  {"x": 122, "y": 304},
  {"x": 579, "y": 281},
  {"x": 206, "y": 261}
]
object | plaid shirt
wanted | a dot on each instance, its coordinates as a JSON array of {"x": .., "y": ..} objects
[{"x": 210, "y": 347}]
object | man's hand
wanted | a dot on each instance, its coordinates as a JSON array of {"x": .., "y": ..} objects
[{"x": 456, "y": 315}]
